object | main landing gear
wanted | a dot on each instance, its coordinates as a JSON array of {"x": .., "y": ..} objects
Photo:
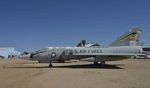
[
  {"x": 102, "y": 63},
  {"x": 96, "y": 63}
]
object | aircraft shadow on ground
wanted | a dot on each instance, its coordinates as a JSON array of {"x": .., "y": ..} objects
[
  {"x": 107, "y": 66},
  {"x": 41, "y": 62},
  {"x": 84, "y": 66}
]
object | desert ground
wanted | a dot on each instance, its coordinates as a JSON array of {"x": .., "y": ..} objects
[{"x": 129, "y": 73}]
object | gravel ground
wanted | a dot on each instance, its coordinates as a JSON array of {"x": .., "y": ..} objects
[{"x": 130, "y": 73}]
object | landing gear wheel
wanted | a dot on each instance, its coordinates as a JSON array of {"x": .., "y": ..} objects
[
  {"x": 50, "y": 65},
  {"x": 95, "y": 63},
  {"x": 102, "y": 63}
]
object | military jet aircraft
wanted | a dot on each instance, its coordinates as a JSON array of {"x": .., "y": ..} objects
[{"x": 124, "y": 47}]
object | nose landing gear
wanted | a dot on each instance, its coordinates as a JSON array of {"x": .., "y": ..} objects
[{"x": 50, "y": 65}]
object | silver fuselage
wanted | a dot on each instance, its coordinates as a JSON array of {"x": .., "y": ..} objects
[{"x": 99, "y": 53}]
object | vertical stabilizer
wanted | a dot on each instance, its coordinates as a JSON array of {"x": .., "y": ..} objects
[{"x": 132, "y": 35}]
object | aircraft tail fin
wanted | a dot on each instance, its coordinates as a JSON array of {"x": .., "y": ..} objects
[
  {"x": 132, "y": 35},
  {"x": 82, "y": 43}
]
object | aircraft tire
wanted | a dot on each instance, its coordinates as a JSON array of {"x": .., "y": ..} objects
[
  {"x": 50, "y": 65},
  {"x": 95, "y": 63}
]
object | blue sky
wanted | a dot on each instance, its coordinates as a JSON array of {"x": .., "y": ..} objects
[{"x": 30, "y": 25}]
